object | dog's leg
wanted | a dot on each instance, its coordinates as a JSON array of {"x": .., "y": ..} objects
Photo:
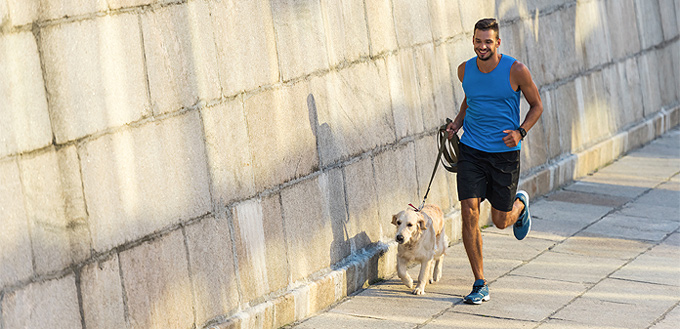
[
  {"x": 403, "y": 274},
  {"x": 437, "y": 275},
  {"x": 422, "y": 277}
]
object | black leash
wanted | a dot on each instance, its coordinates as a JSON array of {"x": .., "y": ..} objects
[{"x": 448, "y": 149}]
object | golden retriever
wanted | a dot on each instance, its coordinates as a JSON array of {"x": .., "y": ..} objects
[{"x": 421, "y": 238}]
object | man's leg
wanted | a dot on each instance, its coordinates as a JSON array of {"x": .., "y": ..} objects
[
  {"x": 472, "y": 236},
  {"x": 503, "y": 219}
]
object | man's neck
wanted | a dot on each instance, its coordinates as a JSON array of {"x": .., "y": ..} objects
[{"x": 490, "y": 64}]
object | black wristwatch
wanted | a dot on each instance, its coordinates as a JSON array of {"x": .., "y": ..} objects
[{"x": 522, "y": 132}]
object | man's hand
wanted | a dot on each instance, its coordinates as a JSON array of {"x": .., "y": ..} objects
[
  {"x": 512, "y": 139},
  {"x": 452, "y": 128}
]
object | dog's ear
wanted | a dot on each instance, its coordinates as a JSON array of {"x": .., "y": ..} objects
[
  {"x": 421, "y": 222},
  {"x": 394, "y": 219}
]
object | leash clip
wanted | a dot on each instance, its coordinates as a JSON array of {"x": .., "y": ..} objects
[{"x": 419, "y": 208}]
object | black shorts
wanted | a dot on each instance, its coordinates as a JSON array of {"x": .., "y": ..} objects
[{"x": 491, "y": 176}]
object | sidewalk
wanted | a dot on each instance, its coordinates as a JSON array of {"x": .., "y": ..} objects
[{"x": 604, "y": 252}]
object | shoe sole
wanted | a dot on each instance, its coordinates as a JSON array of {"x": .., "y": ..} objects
[
  {"x": 526, "y": 206},
  {"x": 484, "y": 299}
]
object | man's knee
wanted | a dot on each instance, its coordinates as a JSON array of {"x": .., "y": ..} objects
[{"x": 500, "y": 218}]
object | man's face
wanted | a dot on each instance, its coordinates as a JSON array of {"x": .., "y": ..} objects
[{"x": 485, "y": 43}]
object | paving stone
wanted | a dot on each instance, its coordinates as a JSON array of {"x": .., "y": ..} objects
[
  {"x": 124, "y": 166},
  {"x": 213, "y": 274},
  {"x": 246, "y": 44},
  {"x": 346, "y": 30},
  {"x": 620, "y": 303},
  {"x": 55, "y": 207},
  {"x": 231, "y": 168},
  {"x": 292, "y": 134},
  {"x": 299, "y": 34},
  {"x": 49, "y": 304},
  {"x": 670, "y": 320},
  {"x": 505, "y": 246},
  {"x": 539, "y": 298},
  {"x": 181, "y": 56},
  {"x": 605, "y": 247},
  {"x": 26, "y": 122},
  {"x": 569, "y": 267},
  {"x": 157, "y": 284},
  {"x": 659, "y": 265},
  {"x": 16, "y": 256},
  {"x": 412, "y": 22},
  {"x": 456, "y": 320},
  {"x": 621, "y": 226},
  {"x": 669, "y": 211},
  {"x": 381, "y": 29},
  {"x": 102, "y": 294},
  {"x": 618, "y": 188},
  {"x": 334, "y": 320},
  {"x": 112, "y": 88}
]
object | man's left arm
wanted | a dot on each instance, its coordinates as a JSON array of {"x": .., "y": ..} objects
[{"x": 520, "y": 75}]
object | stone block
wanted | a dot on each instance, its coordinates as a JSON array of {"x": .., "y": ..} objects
[
  {"x": 571, "y": 124},
  {"x": 350, "y": 111},
  {"x": 104, "y": 58},
  {"x": 55, "y": 9},
  {"x": 262, "y": 267},
  {"x": 142, "y": 179},
  {"x": 550, "y": 124},
  {"x": 669, "y": 19},
  {"x": 471, "y": 12},
  {"x": 459, "y": 50},
  {"x": 406, "y": 105},
  {"x": 534, "y": 150},
  {"x": 231, "y": 168},
  {"x": 624, "y": 85},
  {"x": 26, "y": 121},
  {"x": 556, "y": 56},
  {"x": 246, "y": 45},
  {"x": 284, "y": 310},
  {"x": 363, "y": 226},
  {"x": 668, "y": 81},
  {"x": 55, "y": 208},
  {"x": 434, "y": 85},
  {"x": 282, "y": 142},
  {"x": 649, "y": 72},
  {"x": 22, "y": 12},
  {"x": 102, "y": 294},
  {"x": 308, "y": 223},
  {"x": 346, "y": 30},
  {"x": 621, "y": 17},
  {"x": 300, "y": 37},
  {"x": 380, "y": 21},
  {"x": 592, "y": 33},
  {"x": 157, "y": 284},
  {"x": 213, "y": 273},
  {"x": 396, "y": 184},
  {"x": 117, "y": 4},
  {"x": 649, "y": 23},
  {"x": 426, "y": 151},
  {"x": 181, "y": 56},
  {"x": 16, "y": 257},
  {"x": 321, "y": 294},
  {"x": 445, "y": 19},
  {"x": 49, "y": 304},
  {"x": 513, "y": 41},
  {"x": 412, "y": 22}
]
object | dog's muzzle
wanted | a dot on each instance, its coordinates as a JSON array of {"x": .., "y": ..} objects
[{"x": 400, "y": 238}]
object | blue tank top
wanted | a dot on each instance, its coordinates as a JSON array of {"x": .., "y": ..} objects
[{"x": 493, "y": 106}]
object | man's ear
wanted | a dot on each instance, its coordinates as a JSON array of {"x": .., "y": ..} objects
[{"x": 394, "y": 220}]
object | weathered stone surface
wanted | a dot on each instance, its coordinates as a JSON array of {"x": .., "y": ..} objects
[
  {"x": 181, "y": 56},
  {"x": 128, "y": 196},
  {"x": 649, "y": 22},
  {"x": 231, "y": 167},
  {"x": 350, "y": 111},
  {"x": 56, "y": 9},
  {"x": 668, "y": 81},
  {"x": 406, "y": 104},
  {"x": 380, "y": 21},
  {"x": 654, "y": 267},
  {"x": 455, "y": 320},
  {"x": 300, "y": 37},
  {"x": 102, "y": 294},
  {"x": 621, "y": 226},
  {"x": 445, "y": 18},
  {"x": 592, "y": 33},
  {"x": 426, "y": 152},
  {"x": 669, "y": 18},
  {"x": 112, "y": 87},
  {"x": 49, "y": 304},
  {"x": 308, "y": 220},
  {"x": 624, "y": 86},
  {"x": 213, "y": 274},
  {"x": 281, "y": 135},
  {"x": 471, "y": 12},
  {"x": 16, "y": 256},
  {"x": 25, "y": 123},
  {"x": 346, "y": 31},
  {"x": 621, "y": 16},
  {"x": 116, "y": 4},
  {"x": 650, "y": 82},
  {"x": 246, "y": 46},
  {"x": 23, "y": 12},
  {"x": 157, "y": 283},
  {"x": 434, "y": 86},
  {"x": 569, "y": 267},
  {"x": 363, "y": 225},
  {"x": 55, "y": 208},
  {"x": 412, "y": 22}
]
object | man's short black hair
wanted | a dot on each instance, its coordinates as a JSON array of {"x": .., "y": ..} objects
[{"x": 487, "y": 24}]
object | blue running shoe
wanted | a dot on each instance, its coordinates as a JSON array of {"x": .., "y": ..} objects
[
  {"x": 523, "y": 224},
  {"x": 479, "y": 294}
]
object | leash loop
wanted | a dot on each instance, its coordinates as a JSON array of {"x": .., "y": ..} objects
[{"x": 448, "y": 156}]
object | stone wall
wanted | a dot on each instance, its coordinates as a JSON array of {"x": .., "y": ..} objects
[{"x": 215, "y": 163}]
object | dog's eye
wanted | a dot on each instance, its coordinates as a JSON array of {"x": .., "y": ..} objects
[{"x": 409, "y": 224}]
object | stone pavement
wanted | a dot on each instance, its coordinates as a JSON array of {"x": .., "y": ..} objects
[{"x": 604, "y": 252}]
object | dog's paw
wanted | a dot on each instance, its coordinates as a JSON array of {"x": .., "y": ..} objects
[{"x": 419, "y": 290}]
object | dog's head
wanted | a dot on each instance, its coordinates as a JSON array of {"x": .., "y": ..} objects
[{"x": 409, "y": 225}]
